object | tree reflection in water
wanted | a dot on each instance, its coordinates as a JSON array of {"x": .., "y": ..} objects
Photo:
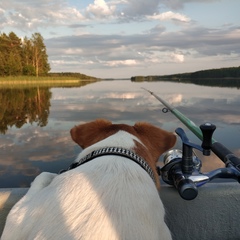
[{"x": 21, "y": 106}]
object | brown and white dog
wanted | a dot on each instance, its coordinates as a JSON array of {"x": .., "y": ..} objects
[{"x": 109, "y": 197}]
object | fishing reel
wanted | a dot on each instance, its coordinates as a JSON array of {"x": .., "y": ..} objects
[{"x": 182, "y": 168}]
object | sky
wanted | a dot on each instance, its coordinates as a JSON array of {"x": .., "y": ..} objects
[{"x": 124, "y": 38}]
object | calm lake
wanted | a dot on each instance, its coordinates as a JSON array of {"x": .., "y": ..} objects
[{"x": 35, "y": 121}]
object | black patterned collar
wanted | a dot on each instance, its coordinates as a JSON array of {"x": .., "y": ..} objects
[{"x": 114, "y": 151}]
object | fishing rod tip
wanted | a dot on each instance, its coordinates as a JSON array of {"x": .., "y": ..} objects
[{"x": 147, "y": 90}]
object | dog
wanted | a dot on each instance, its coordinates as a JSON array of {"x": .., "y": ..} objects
[{"x": 110, "y": 192}]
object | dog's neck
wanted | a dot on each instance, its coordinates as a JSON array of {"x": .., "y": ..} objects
[{"x": 122, "y": 152}]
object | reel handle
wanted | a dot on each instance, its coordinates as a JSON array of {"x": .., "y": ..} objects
[{"x": 207, "y": 132}]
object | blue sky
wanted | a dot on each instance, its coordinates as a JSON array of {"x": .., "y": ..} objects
[{"x": 124, "y": 38}]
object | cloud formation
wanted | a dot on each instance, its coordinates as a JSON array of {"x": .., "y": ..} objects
[
  {"x": 32, "y": 15},
  {"x": 104, "y": 37},
  {"x": 170, "y": 16},
  {"x": 100, "y": 9},
  {"x": 154, "y": 47}
]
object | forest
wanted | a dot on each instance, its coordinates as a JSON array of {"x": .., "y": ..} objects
[
  {"x": 20, "y": 57},
  {"x": 219, "y": 74}
]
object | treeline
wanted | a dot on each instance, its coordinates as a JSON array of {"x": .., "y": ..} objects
[
  {"x": 221, "y": 73},
  {"x": 74, "y": 75},
  {"x": 233, "y": 72},
  {"x": 26, "y": 56}
]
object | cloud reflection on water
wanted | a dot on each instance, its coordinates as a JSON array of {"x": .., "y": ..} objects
[{"x": 32, "y": 149}]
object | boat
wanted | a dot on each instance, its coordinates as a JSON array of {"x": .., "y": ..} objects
[{"x": 212, "y": 215}]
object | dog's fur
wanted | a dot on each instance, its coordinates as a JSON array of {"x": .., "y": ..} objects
[{"x": 110, "y": 197}]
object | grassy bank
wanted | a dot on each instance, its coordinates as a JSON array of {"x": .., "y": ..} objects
[{"x": 48, "y": 81}]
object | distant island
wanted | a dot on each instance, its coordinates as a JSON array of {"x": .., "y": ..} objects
[{"x": 229, "y": 77}]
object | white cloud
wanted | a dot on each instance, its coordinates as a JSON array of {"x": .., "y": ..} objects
[
  {"x": 178, "y": 58},
  {"x": 170, "y": 16},
  {"x": 100, "y": 9},
  {"x": 127, "y": 62},
  {"x": 72, "y": 51},
  {"x": 65, "y": 15}
]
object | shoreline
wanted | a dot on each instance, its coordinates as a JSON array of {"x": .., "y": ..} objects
[{"x": 48, "y": 82}]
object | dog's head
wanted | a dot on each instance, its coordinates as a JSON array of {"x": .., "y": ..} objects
[{"x": 155, "y": 141}]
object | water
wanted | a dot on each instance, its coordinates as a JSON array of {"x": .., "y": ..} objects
[{"x": 35, "y": 122}]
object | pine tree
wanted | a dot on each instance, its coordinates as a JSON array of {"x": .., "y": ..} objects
[
  {"x": 2, "y": 64},
  {"x": 14, "y": 63},
  {"x": 27, "y": 58},
  {"x": 14, "y": 66},
  {"x": 4, "y": 49},
  {"x": 39, "y": 54}
]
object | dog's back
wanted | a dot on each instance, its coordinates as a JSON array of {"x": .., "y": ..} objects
[
  {"x": 104, "y": 199},
  {"x": 108, "y": 198}
]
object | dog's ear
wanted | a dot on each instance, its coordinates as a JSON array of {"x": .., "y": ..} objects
[
  {"x": 89, "y": 133},
  {"x": 155, "y": 139}
]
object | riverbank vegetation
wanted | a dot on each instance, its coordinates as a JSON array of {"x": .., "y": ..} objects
[
  {"x": 223, "y": 77},
  {"x": 50, "y": 80},
  {"x": 48, "y": 77}
]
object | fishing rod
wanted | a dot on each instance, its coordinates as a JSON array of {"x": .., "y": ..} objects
[
  {"x": 221, "y": 151},
  {"x": 182, "y": 168}
]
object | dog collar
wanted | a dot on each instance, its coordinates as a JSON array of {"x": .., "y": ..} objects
[{"x": 118, "y": 152}]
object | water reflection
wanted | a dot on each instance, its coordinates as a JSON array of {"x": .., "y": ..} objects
[
  {"x": 43, "y": 142},
  {"x": 28, "y": 103},
  {"x": 21, "y": 106}
]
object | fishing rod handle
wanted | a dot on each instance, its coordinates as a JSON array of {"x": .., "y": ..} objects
[{"x": 226, "y": 155}]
